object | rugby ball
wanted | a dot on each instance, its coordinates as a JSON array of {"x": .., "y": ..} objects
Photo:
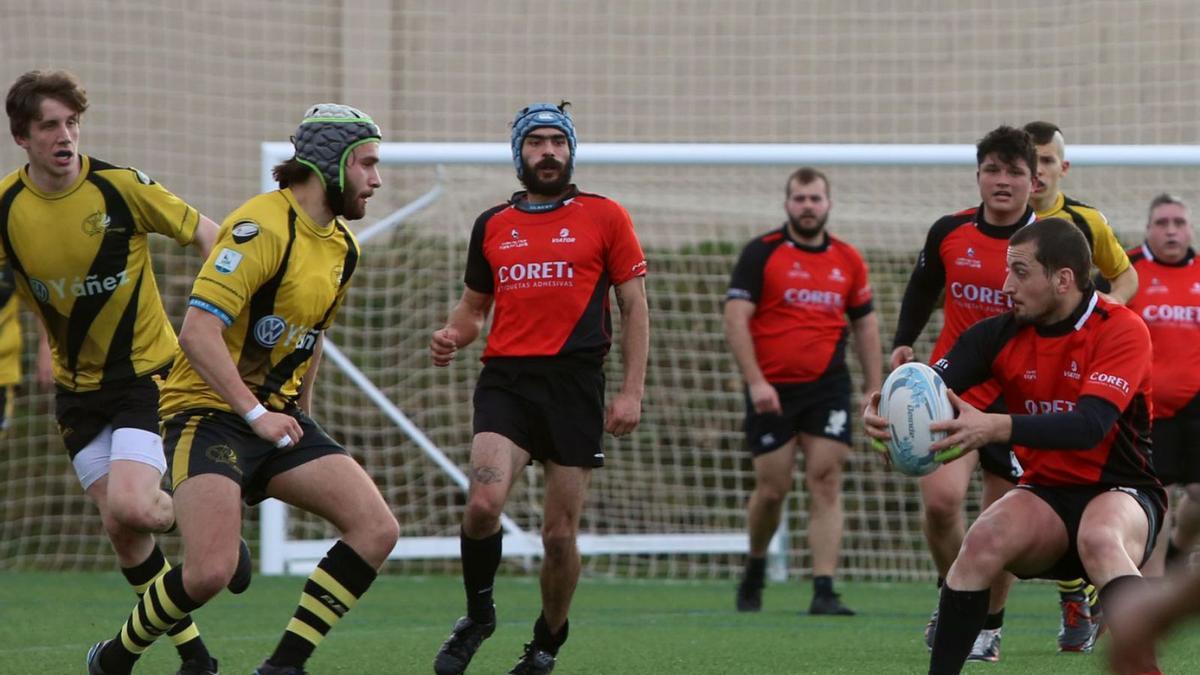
[{"x": 914, "y": 397}]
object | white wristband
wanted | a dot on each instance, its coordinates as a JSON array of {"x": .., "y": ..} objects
[{"x": 254, "y": 413}]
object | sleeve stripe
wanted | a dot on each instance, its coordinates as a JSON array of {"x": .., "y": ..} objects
[{"x": 211, "y": 309}]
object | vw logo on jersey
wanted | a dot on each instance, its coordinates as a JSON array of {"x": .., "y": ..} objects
[
  {"x": 269, "y": 329},
  {"x": 39, "y": 290}
]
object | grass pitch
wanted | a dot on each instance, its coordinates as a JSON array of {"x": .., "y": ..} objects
[{"x": 651, "y": 627}]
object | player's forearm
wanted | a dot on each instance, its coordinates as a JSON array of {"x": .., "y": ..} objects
[
  {"x": 1081, "y": 428},
  {"x": 201, "y": 341},
  {"x": 635, "y": 345},
  {"x": 467, "y": 322},
  {"x": 870, "y": 351},
  {"x": 741, "y": 344},
  {"x": 1124, "y": 285}
]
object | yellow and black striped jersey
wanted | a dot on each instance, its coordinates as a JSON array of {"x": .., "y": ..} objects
[
  {"x": 10, "y": 329},
  {"x": 1107, "y": 253},
  {"x": 276, "y": 279},
  {"x": 82, "y": 260}
]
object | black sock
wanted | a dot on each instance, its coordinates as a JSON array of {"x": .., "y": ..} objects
[
  {"x": 756, "y": 571},
  {"x": 1119, "y": 586},
  {"x": 341, "y": 578},
  {"x": 941, "y": 582},
  {"x": 544, "y": 640},
  {"x": 823, "y": 585},
  {"x": 184, "y": 633},
  {"x": 480, "y": 560},
  {"x": 961, "y": 615},
  {"x": 994, "y": 621}
]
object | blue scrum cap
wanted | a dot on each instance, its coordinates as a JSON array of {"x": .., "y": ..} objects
[
  {"x": 324, "y": 139},
  {"x": 541, "y": 115}
]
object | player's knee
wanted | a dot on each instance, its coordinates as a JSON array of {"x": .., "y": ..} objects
[
  {"x": 772, "y": 493},
  {"x": 482, "y": 512},
  {"x": 1097, "y": 545},
  {"x": 558, "y": 545},
  {"x": 943, "y": 511},
  {"x": 982, "y": 551},
  {"x": 203, "y": 581},
  {"x": 824, "y": 485},
  {"x": 380, "y": 538},
  {"x": 139, "y": 512}
]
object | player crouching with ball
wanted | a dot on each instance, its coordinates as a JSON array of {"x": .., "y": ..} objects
[{"x": 1075, "y": 373}]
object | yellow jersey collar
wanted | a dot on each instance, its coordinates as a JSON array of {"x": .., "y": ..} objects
[
  {"x": 85, "y": 165},
  {"x": 303, "y": 217}
]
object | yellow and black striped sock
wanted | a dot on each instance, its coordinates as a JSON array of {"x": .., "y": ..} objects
[
  {"x": 184, "y": 633},
  {"x": 334, "y": 587},
  {"x": 1072, "y": 586},
  {"x": 164, "y": 604}
]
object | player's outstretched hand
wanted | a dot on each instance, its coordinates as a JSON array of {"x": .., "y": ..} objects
[
  {"x": 970, "y": 429},
  {"x": 443, "y": 346},
  {"x": 279, "y": 428},
  {"x": 623, "y": 414},
  {"x": 901, "y": 355},
  {"x": 764, "y": 398}
]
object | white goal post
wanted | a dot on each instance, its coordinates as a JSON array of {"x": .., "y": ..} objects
[{"x": 282, "y": 555}]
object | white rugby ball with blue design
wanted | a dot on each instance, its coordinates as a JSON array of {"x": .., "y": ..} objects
[{"x": 914, "y": 397}]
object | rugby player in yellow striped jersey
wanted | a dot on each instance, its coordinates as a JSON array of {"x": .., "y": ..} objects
[
  {"x": 236, "y": 405},
  {"x": 74, "y": 231}
]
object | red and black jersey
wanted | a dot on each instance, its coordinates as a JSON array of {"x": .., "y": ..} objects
[
  {"x": 965, "y": 256},
  {"x": 802, "y": 296},
  {"x": 1168, "y": 300},
  {"x": 1101, "y": 351},
  {"x": 550, "y": 268}
]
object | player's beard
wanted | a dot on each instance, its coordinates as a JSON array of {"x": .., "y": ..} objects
[
  {"x": 352, "y": 209},
  {"x": 798, "y": 225},
  {"x": 537, "y": 186}
]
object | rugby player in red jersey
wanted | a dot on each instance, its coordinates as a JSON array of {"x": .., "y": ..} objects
[
  {"x": 544, "y": 261},
  {"x": 1074, "y": 373},
  {"x": 1168, "y": 301},
  {"x": 964, "y": 256},
  {"x": 797, "y": 285}
]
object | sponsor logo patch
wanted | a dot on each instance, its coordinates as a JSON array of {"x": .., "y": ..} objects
[
  {"x": 227, "y": 261},
  {"x": 244, "y": 231}
]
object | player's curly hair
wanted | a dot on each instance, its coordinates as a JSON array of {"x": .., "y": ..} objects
[
  {"x": 1010, "y": 145},
  {"x": 24, "y": 101}
]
